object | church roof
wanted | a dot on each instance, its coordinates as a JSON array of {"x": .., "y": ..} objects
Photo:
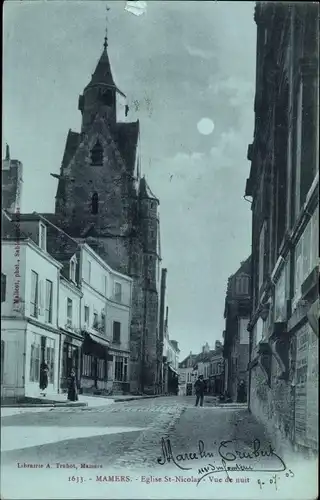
[
  {"x": 126, "y": 138},
  {"x": 72, "y": 142},
  {"x": 103, "y": 73},
  {"x": 145, "y": 191}
]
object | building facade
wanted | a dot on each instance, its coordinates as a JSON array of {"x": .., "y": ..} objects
[
  {"x": 29, "y": 318},
  {"x": 105, "y": 320},
  {"x": 63, "y": 305},
  {"x": 236, "y": 337},
  {"x": 187, "y": 375},
  {"x": 216, "y": 373},
  {"x": 283, "y": 184},
  {"x": 104, "y": 200},
  {"x": 171, "y": 354}
]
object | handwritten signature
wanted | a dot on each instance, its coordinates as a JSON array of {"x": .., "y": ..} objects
[{"x": 227, "y": 454}]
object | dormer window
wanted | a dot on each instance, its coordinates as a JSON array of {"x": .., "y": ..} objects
[
  {"x": 72, "y": 269},
  {"x": 97, "y": 154},
  {"x": 42, "y": 236}
]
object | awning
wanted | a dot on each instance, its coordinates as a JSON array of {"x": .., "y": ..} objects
[
  {"x": 70, "y": 339},
  {"x": 95, "y": 345},
  {"x": 97, "y": 339}
]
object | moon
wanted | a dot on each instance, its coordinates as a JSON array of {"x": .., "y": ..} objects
[{"x": 205, "y": 126}]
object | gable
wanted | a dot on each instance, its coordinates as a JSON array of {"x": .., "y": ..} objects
[{"x": 120, "y": 143}]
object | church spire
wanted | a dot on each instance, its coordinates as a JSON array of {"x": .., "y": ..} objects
[{"x": 103, "y": 74}]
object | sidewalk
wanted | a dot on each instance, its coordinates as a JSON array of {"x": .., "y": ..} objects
[{"x": 60, "y": 400}]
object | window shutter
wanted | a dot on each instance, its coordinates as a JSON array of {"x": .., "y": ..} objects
[{"x": 41, "y": 292}]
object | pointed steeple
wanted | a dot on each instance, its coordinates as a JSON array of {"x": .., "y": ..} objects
[{"x": 103, "y": 74}]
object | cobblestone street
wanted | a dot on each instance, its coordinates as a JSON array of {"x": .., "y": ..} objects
[{"x": 130, "y": 441}]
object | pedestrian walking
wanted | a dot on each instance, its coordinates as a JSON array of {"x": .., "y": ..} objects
[
  {"x": 72, "y": 386},
  {"x": 43, "y": 383},
  {"x": 242, "y": 392},
  {"x": 199, "y": 387}
]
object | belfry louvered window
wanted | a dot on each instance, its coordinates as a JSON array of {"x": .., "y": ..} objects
[
  {"x": 94, "y": 203},
  {"x": 97, "y": 154}
]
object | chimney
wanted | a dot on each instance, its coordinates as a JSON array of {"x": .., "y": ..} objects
[
  {"x": 167, "y": 315},
  {"x": 7, "y": 152}
]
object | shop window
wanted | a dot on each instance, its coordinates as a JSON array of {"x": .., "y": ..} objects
[
  {"x": 121, "y": 369},
  {"x": 35, "y": 351},
  {"x": 3, "y": 287},
  {"x": 49, "y": 358},
  {"x": 101, "y": 369},
  {"x": 34, "y": 294},
  {"x": 87, "y": 365}
]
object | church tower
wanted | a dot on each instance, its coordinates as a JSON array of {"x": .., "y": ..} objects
[
  {"x": 102, "y": 96},
  {"x": 97, "y": 194},
  {"x": 102, "y": 200}
]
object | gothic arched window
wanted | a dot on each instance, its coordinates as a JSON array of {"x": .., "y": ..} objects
[
  {"x": 97, "y": 154},
  {"x": 94, "y": 203}
]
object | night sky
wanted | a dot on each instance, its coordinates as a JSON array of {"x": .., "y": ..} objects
[{"x": 178, "y": 63}]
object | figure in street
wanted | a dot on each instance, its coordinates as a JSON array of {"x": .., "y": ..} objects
[
  {"x": 242, "y": 392},
  {"x": 44, "y": 370},
  {"x": 199, "y": 387},
  {"x": 72, "y": 386}
]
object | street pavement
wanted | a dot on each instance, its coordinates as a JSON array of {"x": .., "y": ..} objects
[{"x": 153, "y": 443}]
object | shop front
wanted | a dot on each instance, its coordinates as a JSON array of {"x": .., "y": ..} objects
[
  {"x": 173, "y": 380},
  {"x": 94, "y": 364},
  {"x": 42, "y": 348},
  {"x": 70, "y": 357}
]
